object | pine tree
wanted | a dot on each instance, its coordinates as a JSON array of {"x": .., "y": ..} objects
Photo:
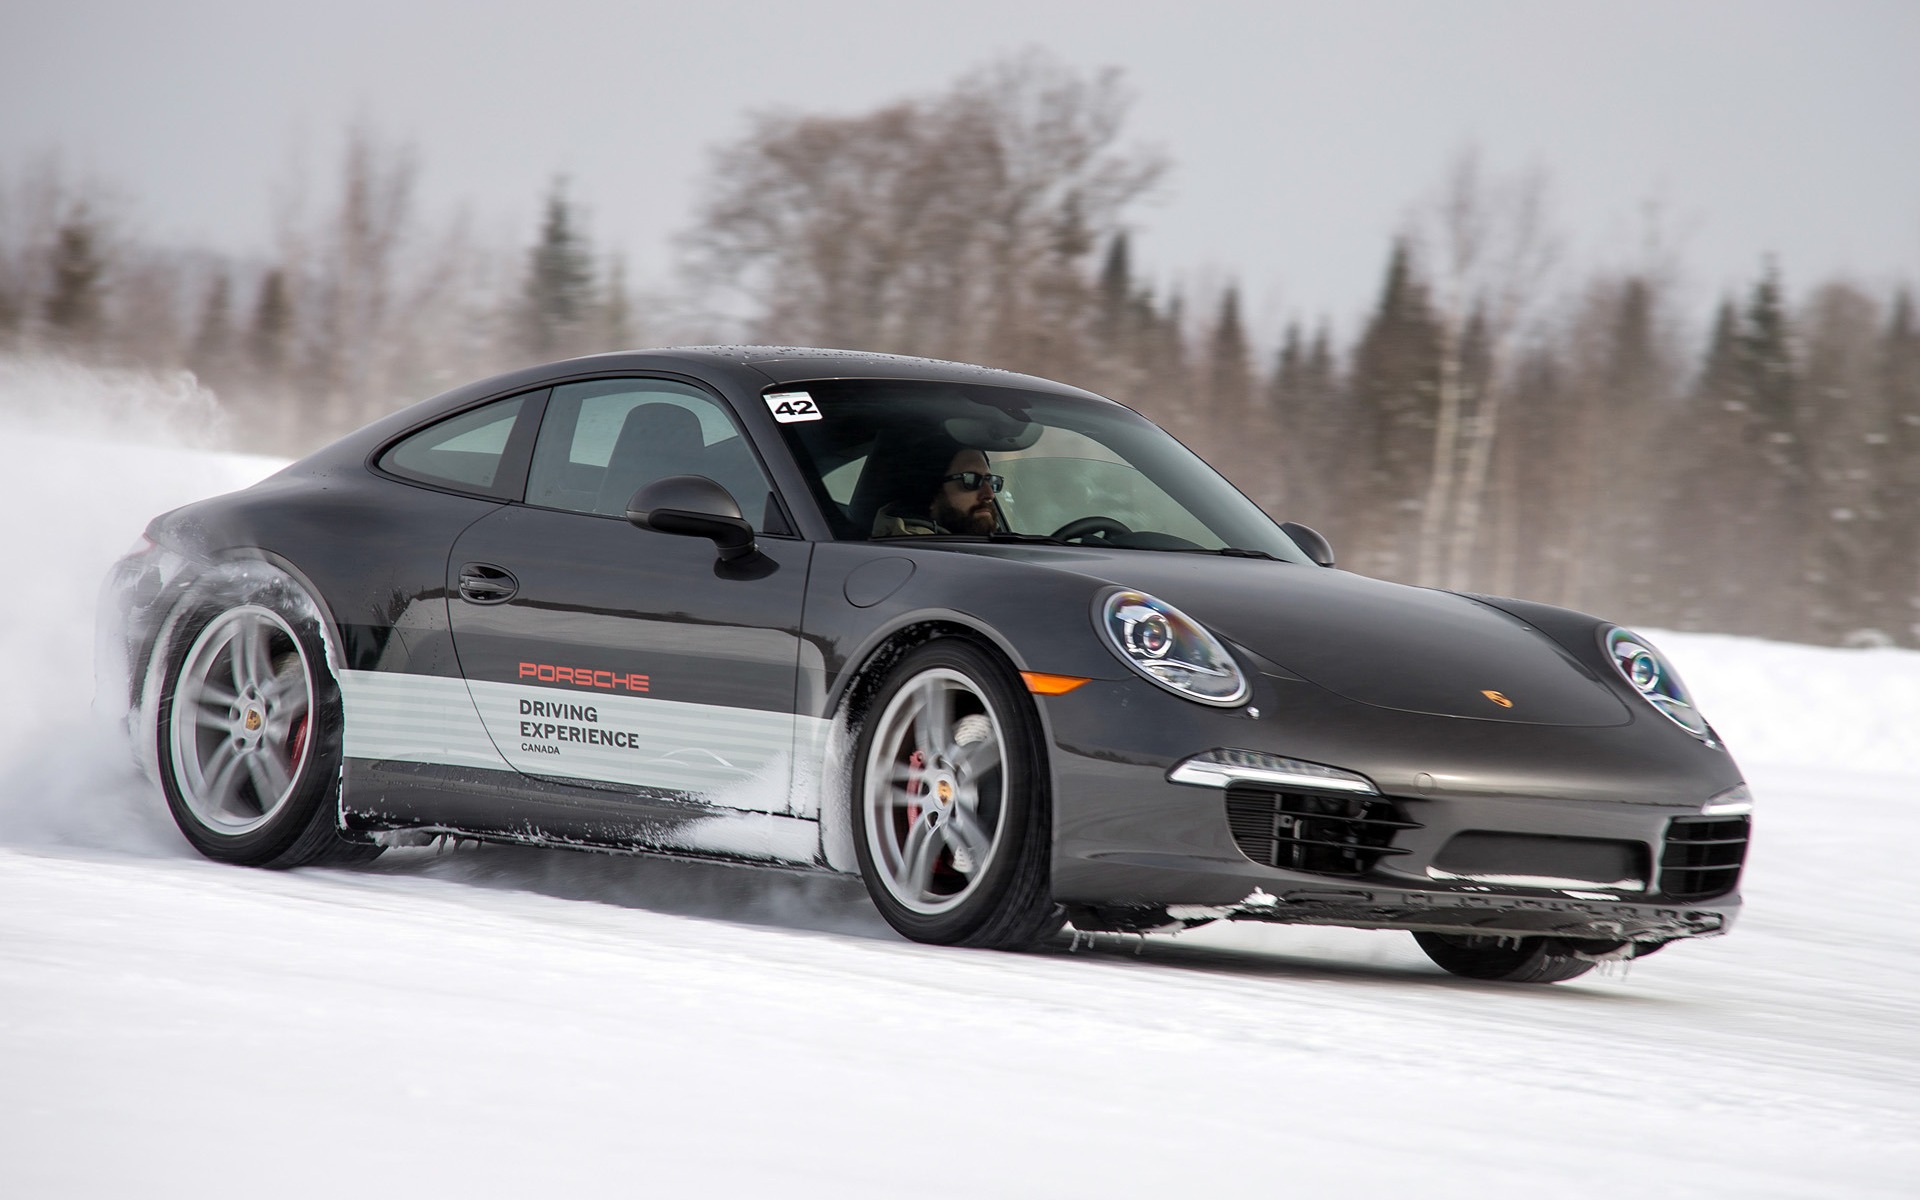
[
  {"x": 12, "y": 311},
  {"x": 557, "y": 300},
  {"x": 1844, "y": 522},
  {"x": 269, "y": 330},
  {"x": 1746, "y": 483},
  {"x": 1048, "y": 334},
  {"x": 1720, "y": 374},
  {"x": 1899, "y": 491},
  {"x": 1636, "y": 397},
  {"x": 1283, "y": 385},
  {"x": 1766, "y": 357},
  {"x": 1306, "y": 435},
  {"x": 1528, "y": 531},
  {"x": 1319, "y": 377},
  {"x": 1233, "y": 435},
  {"x": 616, "y": 308},
  {"x": 1772, "y": 385},
  {"x": 1318, "y": 431},
  {"x": 1229, "y": 369},
  {"x": 1170, "y": 386},
  {"x": 74, "y": 307},
  {"x": 1115, "y": 291},
  {"x": 1711, "y": 485},
  {"x": 1124, "y": 332},
  {"x": 1632, "y": 357},
  {"x": 1394, "y": 388},
  {"x": 212, "y": 349}
]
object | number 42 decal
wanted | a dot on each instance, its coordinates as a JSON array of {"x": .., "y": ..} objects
[{"x": 792, "y": 406}]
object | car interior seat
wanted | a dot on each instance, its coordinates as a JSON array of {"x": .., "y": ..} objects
[{"x": 656, "y": 440}]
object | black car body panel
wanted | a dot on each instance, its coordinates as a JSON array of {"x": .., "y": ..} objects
[{"x": 595, "y": 684}]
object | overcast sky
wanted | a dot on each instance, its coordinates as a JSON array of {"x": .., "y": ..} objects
[{"x": 1301, "y": 134}]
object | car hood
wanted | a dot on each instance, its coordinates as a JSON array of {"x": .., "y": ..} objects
[{"x": 1379, "y": 643}]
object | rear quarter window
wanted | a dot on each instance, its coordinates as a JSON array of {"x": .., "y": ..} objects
[{"x": 463, "y": 452}]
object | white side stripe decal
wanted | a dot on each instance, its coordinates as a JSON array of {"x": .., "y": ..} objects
[
  {"x": 414, "y": 718},
  {"x": 731, "y": 757}
]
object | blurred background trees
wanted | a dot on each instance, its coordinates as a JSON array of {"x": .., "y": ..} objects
[
  {"x": 1496, "y": 422},
  {"x": 959, "y": 225}
]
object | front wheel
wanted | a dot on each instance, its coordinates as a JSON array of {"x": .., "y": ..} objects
[
  {"x": 951, "y": 811},
  {"x": 1511, "y": 959},
  {"x": 249, "y": 736}
]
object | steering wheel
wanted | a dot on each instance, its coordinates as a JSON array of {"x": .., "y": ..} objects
[{"x": 1087, "y": 526}]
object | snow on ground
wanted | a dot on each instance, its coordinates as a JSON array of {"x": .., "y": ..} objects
[{"x": 503, "y": 1021}]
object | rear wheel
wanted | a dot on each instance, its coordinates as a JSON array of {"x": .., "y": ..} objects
[
  {"x": 1513, "y": 960},
  {"x": 951, "y": 813},
  {"x": 249, "y": 737}
]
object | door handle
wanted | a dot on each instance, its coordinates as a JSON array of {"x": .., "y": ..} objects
[{"x": 484, "y": 583}]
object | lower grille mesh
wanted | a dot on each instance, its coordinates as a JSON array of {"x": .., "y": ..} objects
[
  {"x": 1702, "y": 856},
  {"x": 1322, "y": 835}
]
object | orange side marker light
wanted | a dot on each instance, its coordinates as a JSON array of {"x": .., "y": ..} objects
[{"x": 1041, "y": 684}]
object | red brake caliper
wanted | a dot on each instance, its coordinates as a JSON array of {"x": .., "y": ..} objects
[
  {"x": 297, "y": 744},
  {"x": 916, "y": 763}
]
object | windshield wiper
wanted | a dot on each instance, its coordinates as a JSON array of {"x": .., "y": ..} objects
[
  {"x": 998, "y": 535},
  {"x": 1007, "y": 535},
  {"x": 1237, "y": 552}
]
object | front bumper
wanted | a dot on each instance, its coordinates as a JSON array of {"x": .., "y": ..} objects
[{"x": 1477, "y": 826}]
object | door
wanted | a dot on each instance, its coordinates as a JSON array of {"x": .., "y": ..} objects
[{"x": 597, "y": 651}]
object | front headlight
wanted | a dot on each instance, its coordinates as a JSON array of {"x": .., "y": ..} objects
[
  {"x": 1649, "y": 673},
  {"x": 1171, "y": 649}
]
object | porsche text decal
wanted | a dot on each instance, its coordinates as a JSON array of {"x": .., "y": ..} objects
[{"x": 586, "y": 677}]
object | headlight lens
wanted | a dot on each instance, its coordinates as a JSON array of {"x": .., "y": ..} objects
[
  {"x": 1171, "y": 649},
  {"x": 1654, "y": 678}
]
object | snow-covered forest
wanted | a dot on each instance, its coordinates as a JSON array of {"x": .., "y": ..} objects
[{"x": 1504, "y": 419}]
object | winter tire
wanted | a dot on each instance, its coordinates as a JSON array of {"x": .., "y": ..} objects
[
  {"x": 951, "y": 813},
  {"x": 248, "y": 736},
  {"x": 1513, "y": 960}
]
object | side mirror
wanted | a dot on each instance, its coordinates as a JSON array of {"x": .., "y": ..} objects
[
  {"x": 1308, "y": 539},
  {"x": 694, "y": 506}
]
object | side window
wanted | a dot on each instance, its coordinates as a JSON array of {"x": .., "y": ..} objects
[
  {"x": 462, "y": 452},
  {"x": 600, "y": 442}
]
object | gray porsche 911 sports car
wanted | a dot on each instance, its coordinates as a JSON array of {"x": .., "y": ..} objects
[{"x": 1002, "y": 647}]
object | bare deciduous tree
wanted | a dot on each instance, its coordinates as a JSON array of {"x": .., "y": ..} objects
[
  {"x": 956, "y": 224},
  {"x": 351, "y": 283},
  {"x": 1486, "y": 248}
]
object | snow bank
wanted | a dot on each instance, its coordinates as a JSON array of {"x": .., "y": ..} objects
[{"x": 1784, "y": 705}]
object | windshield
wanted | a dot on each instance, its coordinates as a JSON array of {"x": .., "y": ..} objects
[{"x": 902, "y": 458}]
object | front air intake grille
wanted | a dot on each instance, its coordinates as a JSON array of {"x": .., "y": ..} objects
[
  {"x": 1304, "y": 831},
  {"x": 1702, "y": 856}
]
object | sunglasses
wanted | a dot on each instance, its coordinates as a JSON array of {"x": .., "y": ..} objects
[{"x": 973, "y": 481}]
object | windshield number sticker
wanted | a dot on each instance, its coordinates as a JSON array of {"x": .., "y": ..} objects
[{"x": 788, "y": 407}]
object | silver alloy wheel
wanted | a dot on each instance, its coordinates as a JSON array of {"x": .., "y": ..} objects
[
  {"x": 238, "y": 729},
  {"x": 934, "y": 808}
]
